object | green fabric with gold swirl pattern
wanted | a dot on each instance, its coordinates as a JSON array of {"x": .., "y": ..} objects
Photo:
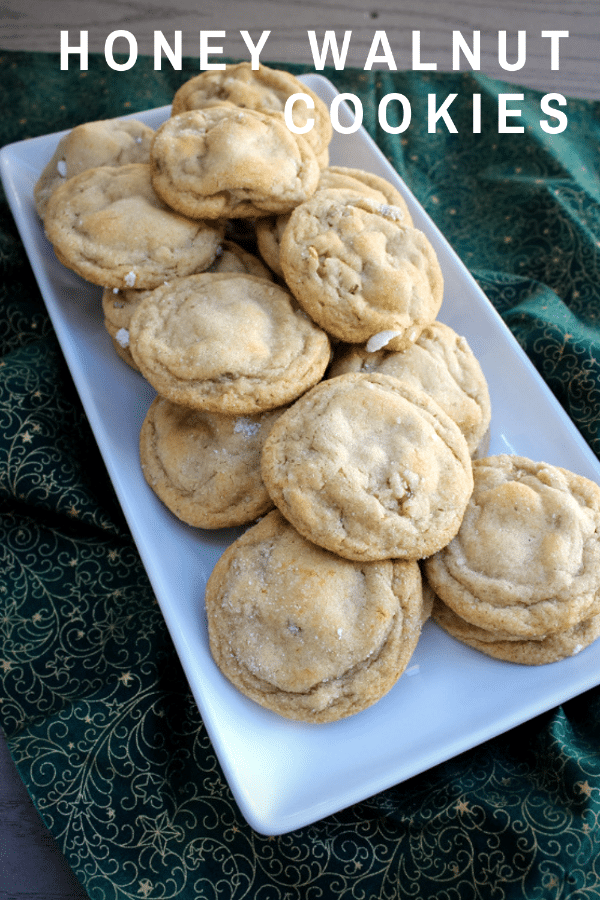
[{"x": 97, "y": 713}]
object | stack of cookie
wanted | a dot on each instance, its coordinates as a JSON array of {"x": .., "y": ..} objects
[
  {"x": 285, "y": 312},
  {"x": 521, "y": 579}
]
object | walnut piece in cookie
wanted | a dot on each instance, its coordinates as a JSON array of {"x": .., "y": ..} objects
[
  {"x": 305, "y": 633},
  {"x": 108, "y": 225},
  {"x": 368, "y": 467},
  {"x": 229, "y": 343},
  {"x": 366, "y": 183},
  {"x": 358, "y": 270}
]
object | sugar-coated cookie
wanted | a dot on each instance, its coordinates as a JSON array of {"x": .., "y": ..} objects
[
  {"x": 526, "y": 559},
  {"x": 441, "y": 363},
  {"x": 305, "y": 633},
  {"x": 227, "y": 343},
  {"x": 205, "y": 467},
  {"x": 108, "y": 225},
  {"x": 224, "y": 162},
  {"x": 118, "y": 306},
  {"x": 370, "y": 468},
  {"x": 358, "y": 270},
  {"x": 108, "y": 142},
  {"x": 525, "y": 651},
  {"x": 264, "y": 89},
  {"x": 269, "y": 230}
]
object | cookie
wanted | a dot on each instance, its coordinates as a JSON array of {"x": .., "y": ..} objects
[
  {"x": 441, "y": 363},
  {"x": 369, "y": 468},
  {"x": 205, "y": 467},
  {"x": 304, "y": 633},
  {"x": 108, "y": 142},
  {"x": 118, "y": 306},
  {"x": 264, "y": 89},
  {"x": 227, "y": 343},
  {"x": 108, "y": 225},
  {"x": 224, "y": 162},
  {"x": 526, "y": 560},
  {"x": 269, "y": 230},
  {"x": 358, "y": 271},
  {"x": 524, "y": 651}
]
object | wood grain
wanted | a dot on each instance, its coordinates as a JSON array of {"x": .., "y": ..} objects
[
  {"x": 36, "y": 25},
  {"x": 32, "y": 866}
]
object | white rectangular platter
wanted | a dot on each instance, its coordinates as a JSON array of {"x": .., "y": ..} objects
[{"x": 285, "y": 775}]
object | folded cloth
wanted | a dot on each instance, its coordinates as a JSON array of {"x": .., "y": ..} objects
[{"x": 96, "y": 710}]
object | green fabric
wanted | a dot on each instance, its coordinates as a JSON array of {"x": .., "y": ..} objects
[{"x": 96, "y": 710}]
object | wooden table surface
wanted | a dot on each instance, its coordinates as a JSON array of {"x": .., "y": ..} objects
[{"x": 31, "y": 864}]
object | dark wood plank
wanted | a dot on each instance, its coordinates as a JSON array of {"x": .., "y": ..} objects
[{"x": 32, "y": 866}]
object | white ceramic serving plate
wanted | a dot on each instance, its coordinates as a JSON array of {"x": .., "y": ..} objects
[{"x": 285, "y": 775}]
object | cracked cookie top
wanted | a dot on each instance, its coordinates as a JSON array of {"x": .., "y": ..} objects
[
  {"x": 263, "y": 89},
  {"x": 526, "y": 559},
  {"x": 370, "y": 468},
  {"x": 225, "y": 162},
  {"x": 228, "y": 343},
  {"x": 108, "y": 225},
  {"x": 358, "y": 270},
  {"x": 305, "y": 633}
]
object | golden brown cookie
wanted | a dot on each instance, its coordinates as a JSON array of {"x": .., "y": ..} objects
[
  {"x": 526, "y": 560},
  {"x": 108, "y": 142},
  {"x": 227, "y": 343},
  {"x": 441, "y": 363},
  {"x": 205, "y": 467},
  {"x": 118, "y": 306},
  {"x": 224, "y": 162},
  {"x": 525, "y": 651},
  {"x": 109, "y": 226},
  {"x": 358, "y": 271},
  {"x": 304, "y": 633},
  {"x": 369, "y": 468},
  {"x": 264, "y": 89},
  {"x": 269, "y": 230}
]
